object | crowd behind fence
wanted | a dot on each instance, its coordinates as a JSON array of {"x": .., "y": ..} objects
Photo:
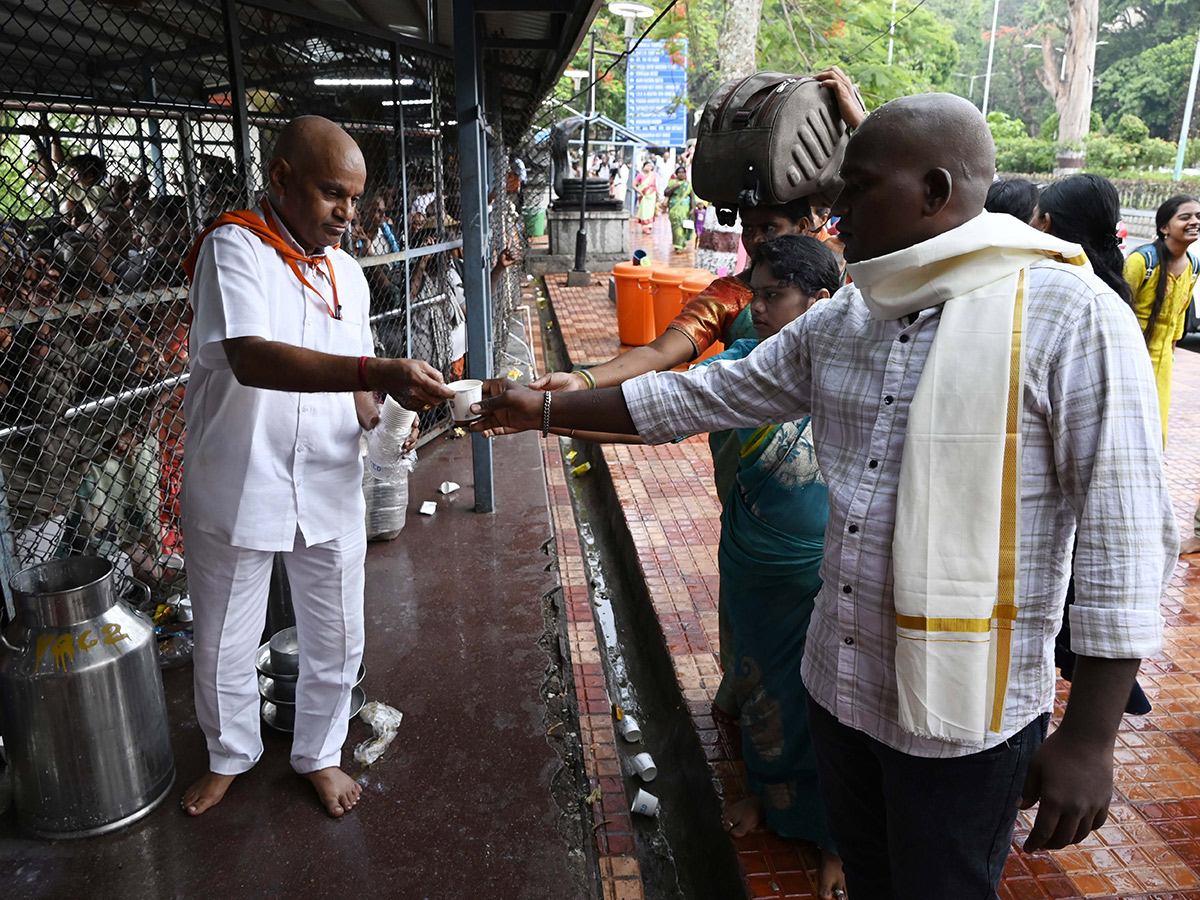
[{"x": 121, "y": 136}]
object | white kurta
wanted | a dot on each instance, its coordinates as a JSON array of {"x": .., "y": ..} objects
[
  {"x": 258, "y": 464},
  {"x": 267, "y": 471}
]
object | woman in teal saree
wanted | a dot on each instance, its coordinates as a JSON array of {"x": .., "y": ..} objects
[{"x": 772, "y": 538}]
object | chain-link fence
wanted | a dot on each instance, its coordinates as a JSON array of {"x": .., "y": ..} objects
[{"x": 124, "y": 130}]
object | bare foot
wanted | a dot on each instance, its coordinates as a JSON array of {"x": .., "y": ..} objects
[
  {"x": 1189, "y": 546},
  {"x": 205, "y": 793},
  {"x": 745, "y": 816},
  {"x": 337, "y": 790},
  {"x": 832, "y": 881}
]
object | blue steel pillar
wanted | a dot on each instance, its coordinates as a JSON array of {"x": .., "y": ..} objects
[{"x": 472, "y": 157}]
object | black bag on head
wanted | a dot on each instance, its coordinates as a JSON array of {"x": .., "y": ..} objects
[{"x": 769, "y": 139}]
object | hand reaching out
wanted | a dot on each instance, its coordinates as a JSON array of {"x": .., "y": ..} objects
[
  {"x": 558, "y": 381},
  {"x": 555, "y": 382},
  {"x": 508, "y": 408}
]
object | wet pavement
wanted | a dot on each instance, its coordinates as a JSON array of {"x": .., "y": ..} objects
[
  {"x": 461, "y": 804},
  {"x": 1149, "y": 849}
]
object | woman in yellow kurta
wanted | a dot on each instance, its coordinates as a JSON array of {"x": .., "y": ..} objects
[{"x": 1161, "y": 303}]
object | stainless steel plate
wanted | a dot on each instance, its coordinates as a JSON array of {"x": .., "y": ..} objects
[{"x": 282, "y": 717}]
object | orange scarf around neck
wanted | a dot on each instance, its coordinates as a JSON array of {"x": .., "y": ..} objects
[{"x": 263, "y": 228}]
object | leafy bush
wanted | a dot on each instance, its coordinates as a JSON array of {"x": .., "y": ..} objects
[
  {"x": 1156, "y": 153},
  {"x": 1131, "y": 129},
  {"x": 1004, "y": 127},
  {"x": 1024, "y": 154},
  {"x": 1110, "y": 152}
]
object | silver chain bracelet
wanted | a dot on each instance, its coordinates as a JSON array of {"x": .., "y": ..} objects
[{"x": 546, "y": 414}]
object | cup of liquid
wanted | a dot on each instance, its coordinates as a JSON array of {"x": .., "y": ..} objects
[{"x": 466, "y": 392}]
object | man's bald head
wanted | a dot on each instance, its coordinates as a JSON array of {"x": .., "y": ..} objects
[
  {"x": 308, "y": 139},
  {"x": 317, "y": 173},
  {"x": 930, "y": 159}
]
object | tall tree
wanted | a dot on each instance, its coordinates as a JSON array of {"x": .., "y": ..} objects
[
  {"x": 1070, "y": 84},
  {"x": 737, "y": 45}
]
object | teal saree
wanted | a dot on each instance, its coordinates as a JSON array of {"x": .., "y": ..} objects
[{"x": 772, "y": 537}]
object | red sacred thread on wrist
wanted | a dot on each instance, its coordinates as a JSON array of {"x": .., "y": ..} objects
[{"x": 362, "y": 373}]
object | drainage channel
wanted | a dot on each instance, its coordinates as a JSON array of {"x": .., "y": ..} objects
[{"x": 684, "y": 853}]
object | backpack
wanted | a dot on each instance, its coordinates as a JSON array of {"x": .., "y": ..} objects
[
  {"x": 768, "y": 139},
  {"x": 1149, "y": 252}
]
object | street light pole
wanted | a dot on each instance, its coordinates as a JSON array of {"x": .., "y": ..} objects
[
  {"x": 580, "y": 272},
  {"x": 1187, "y": 112},
  {"x": 987, "y": 81}
]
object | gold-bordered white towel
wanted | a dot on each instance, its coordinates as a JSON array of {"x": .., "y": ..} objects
[{"x": 957, "y": 536}]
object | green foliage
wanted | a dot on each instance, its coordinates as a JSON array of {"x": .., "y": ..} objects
[
  {"x": 1139, "y": 25},
  {"x": 1050, "y": 127},
  {"x": 1024, "y": 154},
  {"x": 809, "y": 35},
  {"x": 1110, "y": 153},
  {"x": 1132, "y": 129},
  {"x": 1003, "y": 126},
  {"x": 1151, "y": 85},
  {"x": 1157, "y": 153}
]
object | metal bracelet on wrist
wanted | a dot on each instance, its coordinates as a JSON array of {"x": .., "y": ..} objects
[{"x": 546, "y": 414}]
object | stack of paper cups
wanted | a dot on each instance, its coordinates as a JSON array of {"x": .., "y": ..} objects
[
  {"x": 385, "y": 442},
  {"x": 396, "y": 419}
]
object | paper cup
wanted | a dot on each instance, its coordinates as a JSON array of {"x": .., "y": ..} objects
[
  {"x": 645, "y": 804},
  {"x": 396, "y": 419},
  {"x": 643, "y": 765},
  {"x": 466, "y": 392},
  {"x": 630, "y": 729}
]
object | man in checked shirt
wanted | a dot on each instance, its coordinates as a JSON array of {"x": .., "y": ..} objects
[{"x": 928, "y": 716}]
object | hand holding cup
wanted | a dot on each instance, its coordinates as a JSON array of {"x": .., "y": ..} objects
[
  {"x": 507, "y": 407},
  {"x": 413, "y": 383}
]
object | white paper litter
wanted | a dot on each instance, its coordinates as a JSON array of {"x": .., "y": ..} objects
[
  {"x": 384, "y": 721},
  {"x": 449, "y": 487},
  {"x": 428, "y": 508}
]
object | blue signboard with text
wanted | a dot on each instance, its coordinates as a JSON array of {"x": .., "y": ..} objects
[{"x": 656, "y": 92}]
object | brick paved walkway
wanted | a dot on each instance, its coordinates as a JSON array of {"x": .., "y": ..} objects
[{"x": 1149, "y": 849}]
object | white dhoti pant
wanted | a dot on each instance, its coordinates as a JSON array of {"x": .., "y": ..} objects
[{"x": 229, "y": 588}]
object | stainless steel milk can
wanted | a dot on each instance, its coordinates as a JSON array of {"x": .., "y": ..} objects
[{"x": 82, "y": 709}]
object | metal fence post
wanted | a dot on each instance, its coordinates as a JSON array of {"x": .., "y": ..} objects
[
  {"x": 237, "y": 98},
  {"x": 8, "y": 556},
  {"x": 402, "y": 223},
  {"x": 472, "y": 158},
  {"x": 150, "y": 92}
]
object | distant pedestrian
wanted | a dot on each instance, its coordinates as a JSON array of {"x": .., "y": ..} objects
[
  {"x": 1163, "y": 277},
  {"x": 646, "y": 185},
  {"x": 679, "y": 207}
]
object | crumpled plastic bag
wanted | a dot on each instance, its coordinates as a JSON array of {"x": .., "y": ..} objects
[{"x": 385, "y": 722}]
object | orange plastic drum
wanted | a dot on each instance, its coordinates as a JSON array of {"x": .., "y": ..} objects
[
  {"x": 696, "y": 282},
  {"x": 667, "y": 286},
  {"x": 635, "y": 308}
]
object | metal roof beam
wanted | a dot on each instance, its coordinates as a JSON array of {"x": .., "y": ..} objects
[
  {"x": 526, "y": 6},
  {"x": 209, "y": 48},
  {"x": 361, "y": 29}
]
